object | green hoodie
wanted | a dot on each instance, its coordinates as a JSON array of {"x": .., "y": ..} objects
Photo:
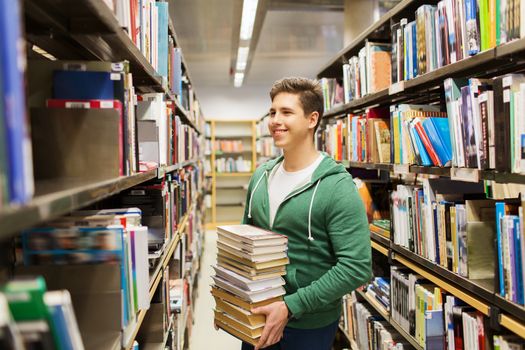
[{"x": 328, "y": 239}]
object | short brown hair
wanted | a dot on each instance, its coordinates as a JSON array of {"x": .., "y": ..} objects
[{"x": 309, "y": 91}]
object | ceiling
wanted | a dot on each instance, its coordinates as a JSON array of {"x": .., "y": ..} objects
[{"x": 296, "y": 39}]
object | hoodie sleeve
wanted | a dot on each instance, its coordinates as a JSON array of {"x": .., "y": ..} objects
[{"x": 347, "y": 226}]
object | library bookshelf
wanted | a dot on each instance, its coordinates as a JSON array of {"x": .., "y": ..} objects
[
  {"x": 231, "y": 142},
  {"x": 91, "y": 31},
  {"x": 498, "y": 60}
]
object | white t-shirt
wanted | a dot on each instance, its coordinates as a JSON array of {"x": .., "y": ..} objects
[{"x": 282, "y": 183}]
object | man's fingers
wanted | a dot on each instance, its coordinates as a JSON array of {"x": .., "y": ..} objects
[
  {"x": 260, "y": 310},
  {"x": 266, "y": 333}
]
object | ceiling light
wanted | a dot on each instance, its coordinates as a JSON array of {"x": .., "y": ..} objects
[
  {"x": 43, "y": 52},
  {"x": 249, "y": 9},
  {"x": 242, "y": 58},
  {"x": 237, "y": 81}
]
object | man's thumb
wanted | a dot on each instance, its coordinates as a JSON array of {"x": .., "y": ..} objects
[{"x": 259, "y": 310}]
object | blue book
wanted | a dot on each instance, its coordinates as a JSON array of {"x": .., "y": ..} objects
[
  {"x": 438, "y": 132},
  {"x": 423, "y": 154},
  {"x": 4, "y": 187},
  {"x": 434, "y": 330},
  {"x": 471, "y": 27},
  {"x": 60, "y": 326},
  {"x": 162, "y": 69},
  {"x": 83, "y": 85},
  {"x": 518, "y": 262},
  {"x": 500, "y": 212},
  {"x": 19, "y": 160}
]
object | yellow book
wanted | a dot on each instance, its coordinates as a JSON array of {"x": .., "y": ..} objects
[
  {"x": 239, "y": 313},
  {"x": 229, "y": 297},
  {"x": 250, "y": 331}
]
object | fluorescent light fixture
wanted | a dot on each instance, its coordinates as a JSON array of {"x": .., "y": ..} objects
[
  {"x": 249, "y": 9},
  {"x": 43, "y": 52},
  {"x": 237, "y": 81},
  {"x": 242, "y": 58}
]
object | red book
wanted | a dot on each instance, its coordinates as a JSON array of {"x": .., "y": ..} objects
[
  {"x": 426, "y": 142},
  {"x": 94, "y": 104}
]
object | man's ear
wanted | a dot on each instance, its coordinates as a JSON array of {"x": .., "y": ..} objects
[{"x": 313, "y": 118}]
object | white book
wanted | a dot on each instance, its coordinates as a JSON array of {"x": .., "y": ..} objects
[
  {"x": 253, "y": 297},
  {"x": 247, "y": 284},
  {"x": 249, "y": 248},
  {"x": 249, "y": 256},
  {"x": 139, "y": 236},
  {"x": 252, "y": 235}
]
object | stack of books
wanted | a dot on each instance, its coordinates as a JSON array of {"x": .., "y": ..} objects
[{"x": 250, "y": 263}]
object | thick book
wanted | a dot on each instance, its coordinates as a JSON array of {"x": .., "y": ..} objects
[
  {"x": 239, "y": 313},
  {"x": 237, "y": 301},
  {"x": 94, "y": 154},
  {"x": 248, "y": 272},
  {"x": 252, "y": 235},
  {"x": 236, "y": 333},
  {"x": 249, "y": 330},
  {"x": 252, "y": 249},
  {"x": 96, "y": 104},
  {"x": 265, "y": 257},
  {"x": 247, "y": 284},
  {"x": 254, "y": 296}
]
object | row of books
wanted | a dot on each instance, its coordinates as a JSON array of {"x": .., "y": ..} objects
[
  {"x": 480, "y": 129},
  {"x": 474, "y": 238},
  {"x": 228, "y": 146},
  {"x": 420, "y": 135},
  {"x": 147, "y": 22},
  {"x": 379, "y": 290},
  {"x": 92, "y": 239},
  {"x": 438, "y": 320},
  {"x": 485, "y": 127},
  {"x": 163, "y": 138},
  {"x": 233, "y": 165},
  {"x": 248, "y": 274},
  {"x": 358, "y": 138},
  {"x": 366, "y": 73},
  {"x": 368, "y": 329},
  {"x": 451, "y": 31},
  {"x": 266, "y": 148},
  {"x": 35, "y": 318}
]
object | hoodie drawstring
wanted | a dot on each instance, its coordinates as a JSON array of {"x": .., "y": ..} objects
[
  {"x": 251, "y": 195},
  {"x": 310, "y": 212}
]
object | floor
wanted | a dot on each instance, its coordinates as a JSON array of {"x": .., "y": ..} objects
[{"x": 203, "y": 333}]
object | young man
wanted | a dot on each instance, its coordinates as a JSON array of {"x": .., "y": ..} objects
[{"x": 311, "y": 199}]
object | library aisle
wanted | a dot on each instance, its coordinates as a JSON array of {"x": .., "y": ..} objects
[
  {"x": 130, "y": 129},
  {"x": 203, "y": 333}
]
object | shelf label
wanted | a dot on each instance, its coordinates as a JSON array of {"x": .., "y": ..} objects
[
  {"x": 401, "y": 169},
  {"x": 464, "y": 174},
  {"x": 396, "y": 88}
]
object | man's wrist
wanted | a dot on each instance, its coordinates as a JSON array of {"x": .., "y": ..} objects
[{"x": 290, "y": 314}]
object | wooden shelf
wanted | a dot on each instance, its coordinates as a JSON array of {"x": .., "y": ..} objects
[
  {"x": 406, "y": 335},
  {"x": 375, "y": 304},
  {"x": 469, "y": 174},
  {"x": 479, "y": 294}
]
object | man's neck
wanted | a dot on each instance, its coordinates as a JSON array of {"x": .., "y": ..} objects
[{"x": 298, "y": 158}]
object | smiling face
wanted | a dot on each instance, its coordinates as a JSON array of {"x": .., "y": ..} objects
[{"x": 288, "y": 124}]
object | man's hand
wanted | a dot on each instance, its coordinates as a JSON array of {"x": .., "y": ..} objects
[{"x": 276, "y": 319}]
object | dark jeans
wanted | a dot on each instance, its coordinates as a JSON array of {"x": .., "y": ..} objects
[{"x": 303, "y": 339}]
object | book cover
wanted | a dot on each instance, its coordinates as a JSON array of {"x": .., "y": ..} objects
[
  {"x": 471, "y": 25},
  {"x": 12, "y": 64},
  {"x": 162, "y": 49},
  {"x": 469, "y": 137},
  {"x": 438, "y": 133}
]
